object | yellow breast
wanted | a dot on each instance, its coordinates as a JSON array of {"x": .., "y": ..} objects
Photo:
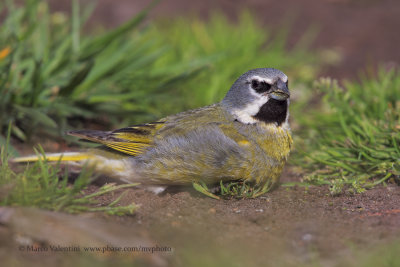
[{"x": 277, "y": 141}]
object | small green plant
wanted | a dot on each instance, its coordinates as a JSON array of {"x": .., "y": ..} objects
[
  {"x": 41, "y": 185},
  {"x": 239, "y": 189},
  {"x": 356, "y": 143}
]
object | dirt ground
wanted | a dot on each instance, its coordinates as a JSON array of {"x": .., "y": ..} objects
[{"x": 288, "y": 226}]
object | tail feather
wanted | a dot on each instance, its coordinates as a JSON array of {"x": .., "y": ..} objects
[
  {"x": 69, "y": 156},
  {"x": 104, "y": 162}
]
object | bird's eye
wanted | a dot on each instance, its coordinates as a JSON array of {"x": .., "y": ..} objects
[
  {"x": 255, "y": 84},
  {"x": 260, "y": 87}
]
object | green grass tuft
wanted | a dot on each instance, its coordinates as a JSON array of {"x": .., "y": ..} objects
[
  {"x": 41, "y": 185},
  {"x": 354, "y": 142},
  {"x": 53, "y": 77},
  {"x": 229, "y": 190}
]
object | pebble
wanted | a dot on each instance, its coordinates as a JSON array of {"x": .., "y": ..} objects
[
  {"x": 237, "y": 210},
  {"x": 212, "y": 211},
  {"x": 307, "y": 237}
]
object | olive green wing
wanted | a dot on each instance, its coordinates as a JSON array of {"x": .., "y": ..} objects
[
  {"x": 136, "y": 139},
  {"x": 210, "y": 116},
  {"x": 130, "y": 140}
]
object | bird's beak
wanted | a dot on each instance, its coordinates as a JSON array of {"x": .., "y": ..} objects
[{"x": 279, "y": 91}]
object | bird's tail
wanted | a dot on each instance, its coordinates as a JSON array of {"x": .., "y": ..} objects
[{"x": 102, "y": 161}]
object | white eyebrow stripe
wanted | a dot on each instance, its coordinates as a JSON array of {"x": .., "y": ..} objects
[
  {"x": 270, "y": 81},
  {"x": 262, "y": 79}
]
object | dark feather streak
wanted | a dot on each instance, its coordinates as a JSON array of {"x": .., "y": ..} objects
[{"x": 133, "y": 130}]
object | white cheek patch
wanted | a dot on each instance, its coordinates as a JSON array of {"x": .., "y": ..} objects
[{"x": 245, "y": 115}]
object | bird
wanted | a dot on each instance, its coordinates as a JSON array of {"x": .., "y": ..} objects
[{"x": 244, "y": 137}]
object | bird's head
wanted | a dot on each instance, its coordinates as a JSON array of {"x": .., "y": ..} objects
[{"x": 259, "y": 95}]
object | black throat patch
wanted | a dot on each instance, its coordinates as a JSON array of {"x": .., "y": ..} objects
[{"x": 274, "y": 111}]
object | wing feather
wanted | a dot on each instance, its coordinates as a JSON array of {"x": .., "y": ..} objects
[{"x": 132, "y": 140}]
